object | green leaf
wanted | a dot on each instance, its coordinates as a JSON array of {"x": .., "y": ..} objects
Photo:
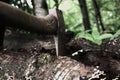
[
  {"x": 80, "y": 35},
  {"x": 98, "y": 42},
  {"x": 115, "y": 35},
  {"x": 105, "y": 36},
  {"x": 89, "y": 37},
  {"x": 95, "y": 33}
]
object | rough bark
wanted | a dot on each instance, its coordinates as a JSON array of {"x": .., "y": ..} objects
[
  {"x": 26, "y": 66},
  {"x": 98, "y": 16},
  {"x": 83, "y": 7},
  {"x": 35, "y": 66},
  {"x": 31, "y": 42},
  {"x": 65, "y": 68},
  {"x": 14, "y": 17},
  {"x": 28, "y": 42}
]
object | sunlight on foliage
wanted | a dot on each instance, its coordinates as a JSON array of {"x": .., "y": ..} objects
[
  {"x": 71, "y": 13},
  {"x": 25, "y": 5},
  {"x": 95, "y": 36}
]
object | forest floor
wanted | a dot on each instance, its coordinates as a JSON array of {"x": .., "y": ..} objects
[{"x": 106, "y": 56}]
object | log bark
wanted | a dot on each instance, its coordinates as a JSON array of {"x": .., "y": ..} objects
[
  {"x": 35, "y": 66},
  {"x": 14, "y": 17},
  {"x": 32, "y": 66},
  {"x": 25, "y": 66}
]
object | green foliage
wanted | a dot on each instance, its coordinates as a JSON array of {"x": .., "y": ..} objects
[
  {"x": 71, "y": 13},
  {"x": 109, "y": 9},
  {"x": 115, "y": 35},
  {"x": 109, "y": 13},
  {"x": 22, "y": 4},
  {"x": 73, "y": 17},
  {"x": 95, "y": 36}
]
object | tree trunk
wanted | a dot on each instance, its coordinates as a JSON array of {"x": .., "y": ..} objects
[
  {"x": 98, "y": 16},
  {"x": 85, "y": 15},
  {"x": 14, "y": 17}
]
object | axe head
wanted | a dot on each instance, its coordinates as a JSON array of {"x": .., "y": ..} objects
[{"x": 60, "y": 36}]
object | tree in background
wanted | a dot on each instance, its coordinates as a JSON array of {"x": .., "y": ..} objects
[
  {"x": 85, "y": 15},
  {"x": 98, "y": 16}
]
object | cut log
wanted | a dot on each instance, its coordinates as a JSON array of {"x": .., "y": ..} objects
[
  {"x": 17, "y": 18},
  {"x": 35, "y": 66},
  {"x": 20, "y": 66}
]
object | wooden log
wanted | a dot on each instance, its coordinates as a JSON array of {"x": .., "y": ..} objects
[
  {"x": 17, "y": 18},
  {"x": 26, "y": 66},
  {"x": 37, "y": 66}
]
